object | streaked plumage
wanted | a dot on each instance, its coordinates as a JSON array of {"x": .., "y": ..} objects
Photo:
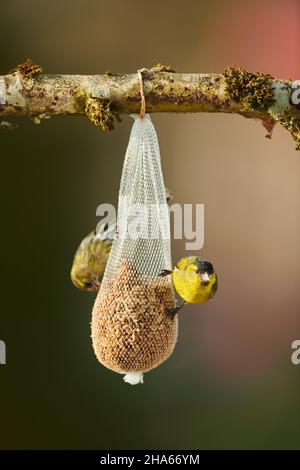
[{"x": 91, "y": 258}]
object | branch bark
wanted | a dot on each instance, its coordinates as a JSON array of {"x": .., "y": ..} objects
[{"x": 31, "y": 93}]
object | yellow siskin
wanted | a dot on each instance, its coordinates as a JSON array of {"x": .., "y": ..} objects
[
  {"x": 91, "y": 258},
  {"x": 194, "y": 280}
]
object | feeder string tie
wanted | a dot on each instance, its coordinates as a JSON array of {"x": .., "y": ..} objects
[{"x": 143, "y": 101}]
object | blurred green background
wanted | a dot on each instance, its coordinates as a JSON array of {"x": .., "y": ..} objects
[{"x": 230, "y": 382}]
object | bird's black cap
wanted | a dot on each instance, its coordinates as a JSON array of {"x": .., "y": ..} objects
[{"x": 205, "y": 267}]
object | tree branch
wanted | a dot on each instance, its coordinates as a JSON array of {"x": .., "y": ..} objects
[{"x": 26, "y": 91}]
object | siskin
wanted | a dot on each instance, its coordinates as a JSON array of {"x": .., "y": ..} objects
[
  {"x": 91, "y": 257},
  {"x": 194, "y": 280}
]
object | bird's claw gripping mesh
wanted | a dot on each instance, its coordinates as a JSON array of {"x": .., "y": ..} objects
[{"x": 132, "y": 330}]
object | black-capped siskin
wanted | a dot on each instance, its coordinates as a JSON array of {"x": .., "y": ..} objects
[{"x": 194, "y": 280}]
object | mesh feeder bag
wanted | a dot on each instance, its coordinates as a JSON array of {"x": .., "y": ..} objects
[{"x": 132, "y": 329}]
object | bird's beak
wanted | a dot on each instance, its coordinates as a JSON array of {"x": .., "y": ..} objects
[
  {"x": 96, "y": 285},
  {"x": 205, "y": 278}
]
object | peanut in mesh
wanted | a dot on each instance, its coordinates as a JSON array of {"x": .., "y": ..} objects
[{"x": 132, "y": 330}]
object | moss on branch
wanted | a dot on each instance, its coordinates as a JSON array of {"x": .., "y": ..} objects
[
  {"x": 293, "y": 126},
  {"x": 252, "y": 90},
  {"x": 101, "y": 113}
]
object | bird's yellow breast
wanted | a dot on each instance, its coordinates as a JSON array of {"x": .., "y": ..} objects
[{"x": 188, "y": 285}]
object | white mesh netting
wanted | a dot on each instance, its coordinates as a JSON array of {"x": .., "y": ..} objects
[{"x": 132, "y": 328}]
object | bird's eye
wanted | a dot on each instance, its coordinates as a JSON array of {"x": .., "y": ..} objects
[{"x": 88, "y": 285}]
